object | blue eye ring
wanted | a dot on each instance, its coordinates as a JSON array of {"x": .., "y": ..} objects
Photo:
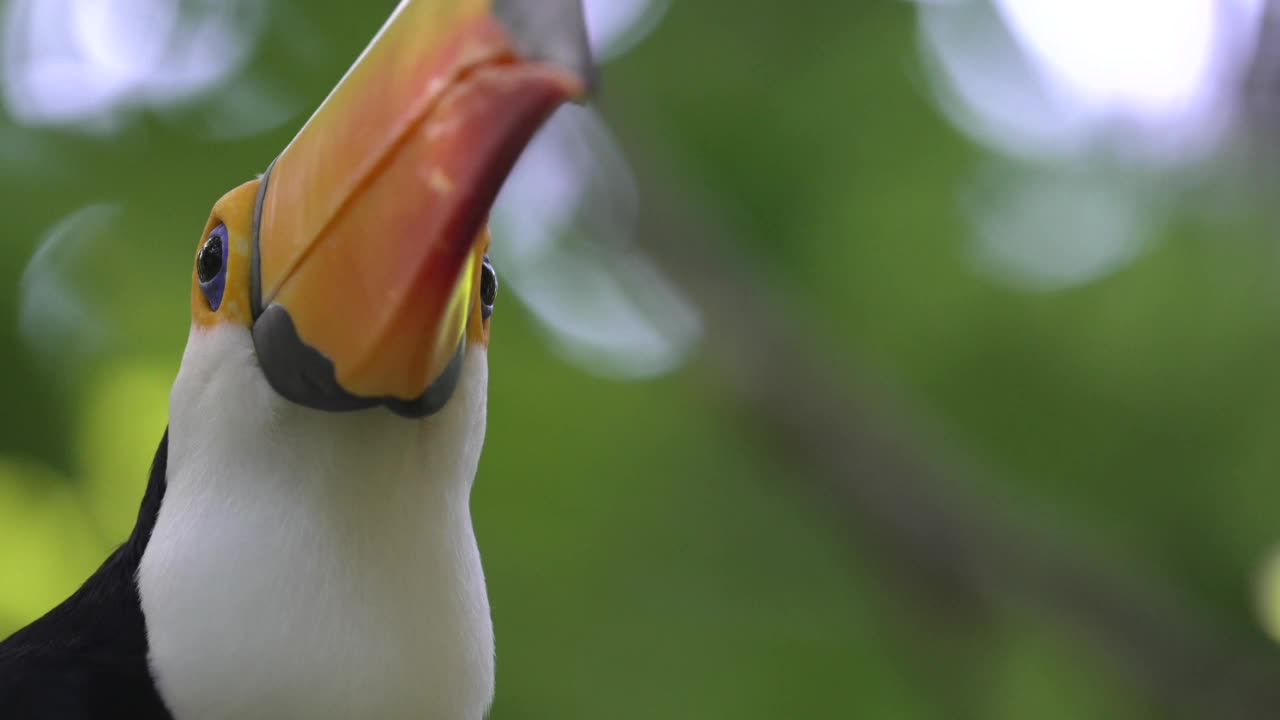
[
  {"x": 488, "y": 288},
  {"x": 211, "y": 266}
]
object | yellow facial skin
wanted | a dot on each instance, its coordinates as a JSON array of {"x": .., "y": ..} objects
[{"x": 235, "y": 210}]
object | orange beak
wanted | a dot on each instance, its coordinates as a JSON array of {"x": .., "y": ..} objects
[{"x": 368, "y": 226}]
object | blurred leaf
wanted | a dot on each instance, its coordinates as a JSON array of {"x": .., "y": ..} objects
[
  {"x": 48, "y": 543},
  {"x": 114, "y": 448}
]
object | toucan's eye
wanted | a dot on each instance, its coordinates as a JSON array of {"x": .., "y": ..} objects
[
  {"x": 211, "y": 266},
  {"x": 488, "y": 288}
]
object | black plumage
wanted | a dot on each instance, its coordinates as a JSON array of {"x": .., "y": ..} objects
[{"x": 87, "y": 658}]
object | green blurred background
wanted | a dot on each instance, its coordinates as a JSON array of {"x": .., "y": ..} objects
[{"x": 1110, "y": 383}]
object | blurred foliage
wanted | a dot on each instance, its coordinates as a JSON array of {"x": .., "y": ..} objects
[{"x": 646, "y": 556}]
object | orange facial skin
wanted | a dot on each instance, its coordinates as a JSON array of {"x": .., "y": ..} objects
[{"x": 235, "y": 210}]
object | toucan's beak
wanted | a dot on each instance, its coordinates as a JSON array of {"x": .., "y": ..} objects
[{"x": 367, "y": 226}]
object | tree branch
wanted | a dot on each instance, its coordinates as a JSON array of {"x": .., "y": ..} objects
[{"x": 943, "y": 545}]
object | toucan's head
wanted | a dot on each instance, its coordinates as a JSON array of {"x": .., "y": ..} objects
[{"x": 356, "y": 267}]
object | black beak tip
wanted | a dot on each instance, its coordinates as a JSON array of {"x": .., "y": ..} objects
[{"x": 551, "y": 30}]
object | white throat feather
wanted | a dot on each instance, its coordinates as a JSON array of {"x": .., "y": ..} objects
[{"x": 308, "y": 564}]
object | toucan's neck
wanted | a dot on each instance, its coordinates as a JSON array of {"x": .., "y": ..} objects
[{"x": 310, "y": 564}]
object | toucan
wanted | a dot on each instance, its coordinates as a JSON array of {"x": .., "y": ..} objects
[{"x": 304, "y": 547}]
